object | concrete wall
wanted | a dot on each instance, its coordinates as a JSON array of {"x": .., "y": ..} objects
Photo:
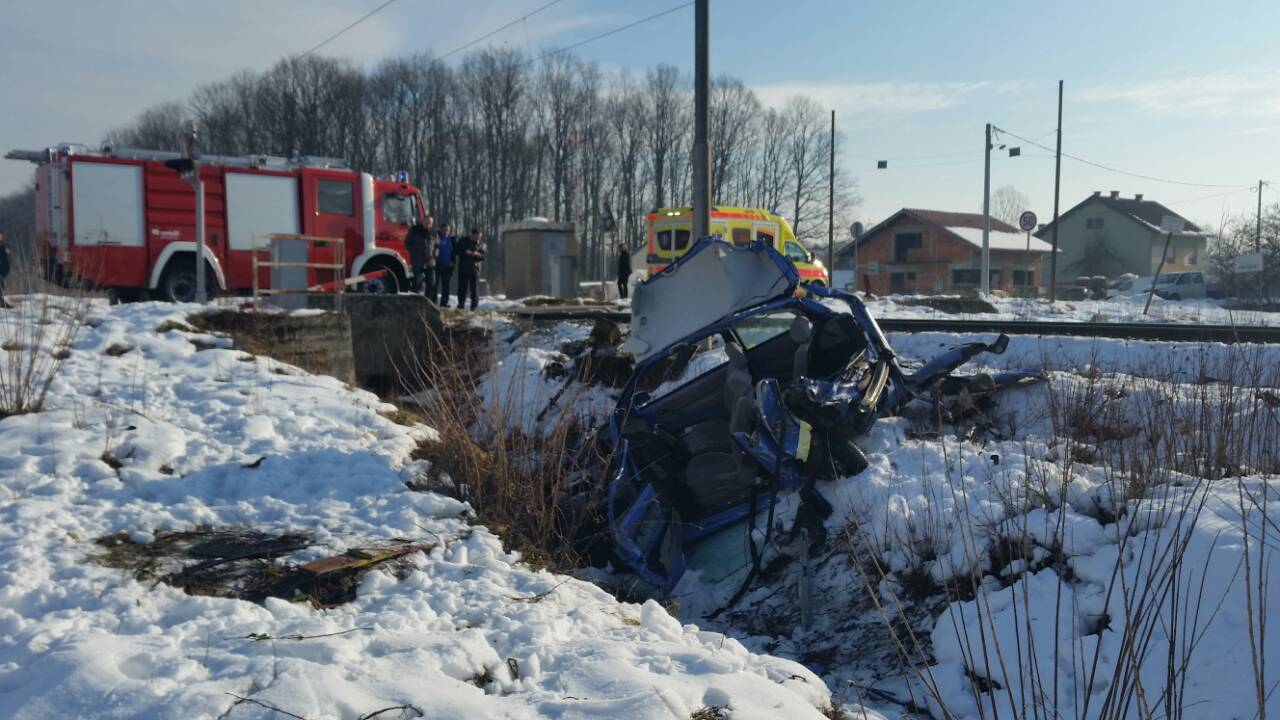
[{"x": 933, "y": 262}]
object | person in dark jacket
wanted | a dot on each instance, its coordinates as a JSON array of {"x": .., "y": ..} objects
[
  {"x": 444, "y": 262},
  {"x": 4, "y": 270},
  {"x": 624, "y": 269},
  {"x": 415, "y": 243},
  {"x": 469, "y": 252}
]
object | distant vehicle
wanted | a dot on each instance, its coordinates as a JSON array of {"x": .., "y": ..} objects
[
  {"x": 1182, "y": 286},
  {"x": 669, "y": 232},
  {"x": 123, "y": 221},
  {"x": 806, "y": 373}
]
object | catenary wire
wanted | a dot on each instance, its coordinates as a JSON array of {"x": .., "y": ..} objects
[
  {"x": 335, "y": 36},
  {"x": 491, "y": 33},
  {"x": 606, "y": 34}
]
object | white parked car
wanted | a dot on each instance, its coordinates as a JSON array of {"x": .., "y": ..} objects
[{"x": 1182, "y": 286}]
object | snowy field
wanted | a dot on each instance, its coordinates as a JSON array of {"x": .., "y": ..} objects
[
  {"x": 1123, "y": 309},
  {"x": 167, "y": 437},
  {"x": 1017, "y": 563}
]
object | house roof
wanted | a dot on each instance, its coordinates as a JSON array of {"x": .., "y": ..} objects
[
  {"x": 964, "y": 226},
  {"x": 1147, "y": 213}
]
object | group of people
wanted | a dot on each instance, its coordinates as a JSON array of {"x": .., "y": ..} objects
[{"x": 435, "y": 254}]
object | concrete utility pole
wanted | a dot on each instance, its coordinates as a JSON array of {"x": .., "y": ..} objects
[
  {"x": 831, "y": 204},
  {"x": 1257, "y": 239},
  {"x": 1057, "y": 179},
  {"x": 202, "y": 293},
  {"x": 986, "y": 214},
  {"x": 701, "y": 148}
]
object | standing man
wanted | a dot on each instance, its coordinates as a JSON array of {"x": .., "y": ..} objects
[
  {"x": 624, "y": 269},
  {"x": 4, "y": 270},
  {"x": 433, "y": 252},
  {"x": 444, "y": 263},
  {"x": 470, "y": 253},
  {"x": 415, "y": 243}
]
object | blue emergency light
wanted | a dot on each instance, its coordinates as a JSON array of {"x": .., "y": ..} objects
[{"x": 402, "y": 176}]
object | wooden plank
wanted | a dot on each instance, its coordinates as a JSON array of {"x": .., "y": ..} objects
[{"x": 355, "y": 559}]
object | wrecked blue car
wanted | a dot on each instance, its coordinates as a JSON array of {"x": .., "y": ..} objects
[{"x": 748, "y": 386}]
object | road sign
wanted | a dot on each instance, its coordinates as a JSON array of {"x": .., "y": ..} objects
[
  {"x": 1027, "y": 221},
  {"x": 1171, "y": 224},
  {"x": 873, "y": 268},
  {"x": 1250, "y": 263}
]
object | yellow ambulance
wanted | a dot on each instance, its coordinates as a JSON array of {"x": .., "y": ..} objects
[{"x": 669, "y": 234}]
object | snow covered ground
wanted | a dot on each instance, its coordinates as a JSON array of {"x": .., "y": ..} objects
[
  {"x": 1019, "y": 561},
  {"x": 218, "y": 438}
]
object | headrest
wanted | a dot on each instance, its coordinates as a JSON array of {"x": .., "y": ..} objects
[{"x": 800, "y": 330}]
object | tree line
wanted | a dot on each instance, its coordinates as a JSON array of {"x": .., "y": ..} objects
[{"x": 501, "y": 137}]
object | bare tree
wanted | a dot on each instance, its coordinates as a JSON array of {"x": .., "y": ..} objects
[{"x": 1007, "y": 204}]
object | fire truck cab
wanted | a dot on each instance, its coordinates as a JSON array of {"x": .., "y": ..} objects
[{"x": 120, "y": 219}]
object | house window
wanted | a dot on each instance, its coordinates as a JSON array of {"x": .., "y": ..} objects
[
  {"x": 903, "y": 243},
  {"x": 898, "y": 281},
  {"x": 1093, "y": 224},
  {"x": 336, "y": 197},
  {"x": 965, "y": 278},
  {"x": 1193, "y": 256},
  {"x": 996, "y": 277},
  {"x": 1024, "y": 278}
]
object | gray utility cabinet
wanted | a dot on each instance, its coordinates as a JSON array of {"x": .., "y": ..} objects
[{"x": 541, "y": 258}]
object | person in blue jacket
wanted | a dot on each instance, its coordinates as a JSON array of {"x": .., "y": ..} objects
[{"x": 444, "y": 263}]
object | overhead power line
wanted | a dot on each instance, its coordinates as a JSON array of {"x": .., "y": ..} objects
[
  {"x": 614, "y": 31},
  {"x": 335, "y": 36},
  {"x": 1114, "y": 169},
  {"x": 491, "y": 33}
]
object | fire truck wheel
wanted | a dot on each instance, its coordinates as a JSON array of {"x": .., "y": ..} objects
[
  {"x": 179, "y": 282},
  {"x": 389, "y": 284}
]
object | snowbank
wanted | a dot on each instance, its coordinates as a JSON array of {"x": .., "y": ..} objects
[{"x": 211, "y": 438}]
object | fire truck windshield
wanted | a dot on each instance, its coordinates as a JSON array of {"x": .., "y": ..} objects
[{"x": 399, "y": 209}]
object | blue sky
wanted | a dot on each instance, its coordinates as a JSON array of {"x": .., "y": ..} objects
[{"x": 1180, "y": 90}]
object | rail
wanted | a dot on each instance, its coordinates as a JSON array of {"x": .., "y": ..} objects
[{"x": 1153, "y": 332}]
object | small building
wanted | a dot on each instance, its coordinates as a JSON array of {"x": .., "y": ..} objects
[
  {"x": 541, "y": 258},
  {"x": 1109, "y": 235},
  {"x": 930, "y": 251}
]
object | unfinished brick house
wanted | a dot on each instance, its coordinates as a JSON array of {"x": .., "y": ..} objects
[{"x": 930, "y": 251}]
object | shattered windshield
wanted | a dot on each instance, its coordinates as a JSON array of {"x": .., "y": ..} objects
[{"x": 756, "y": 329}]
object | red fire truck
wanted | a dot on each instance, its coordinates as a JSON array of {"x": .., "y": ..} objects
[{"x": 120, "y": 219}]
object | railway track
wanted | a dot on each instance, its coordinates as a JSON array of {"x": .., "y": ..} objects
[{"x": 1152, "y": 332}]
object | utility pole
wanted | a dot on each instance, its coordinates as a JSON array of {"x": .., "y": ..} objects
[
  {"x": 701, "y": 148},
  {"x": 986, "y": 215},
  {"x": 831, "y": 203},
  {"x": 1057, "y": 180},
  {"x": 1257, "y": 239}
]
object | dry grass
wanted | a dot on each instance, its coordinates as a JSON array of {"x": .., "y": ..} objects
[
  {"x": 1160, "y": 444},
  {"x": 36, "y": 336},
  {"x": 535, "y": 487}
]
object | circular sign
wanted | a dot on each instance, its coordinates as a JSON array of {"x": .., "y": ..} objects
[{"x": 1027, "y": 221}]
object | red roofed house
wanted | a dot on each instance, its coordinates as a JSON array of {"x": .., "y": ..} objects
[{"x": 929, "y": 251}]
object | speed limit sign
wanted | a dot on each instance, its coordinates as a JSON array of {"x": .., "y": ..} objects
[{"x": 1027, "y": 221}]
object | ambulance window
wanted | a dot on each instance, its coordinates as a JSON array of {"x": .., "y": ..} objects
[
  {"x": 765, "y": 237},
  {"x": 741, "y": 236},
  {"x": 664, "y": 239},
  {"x": 682, "y": 240},
  {"x": 335, "y": 196},
  {"x": 397, "y": 209},
  {"x": 796, "y": 252}
]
